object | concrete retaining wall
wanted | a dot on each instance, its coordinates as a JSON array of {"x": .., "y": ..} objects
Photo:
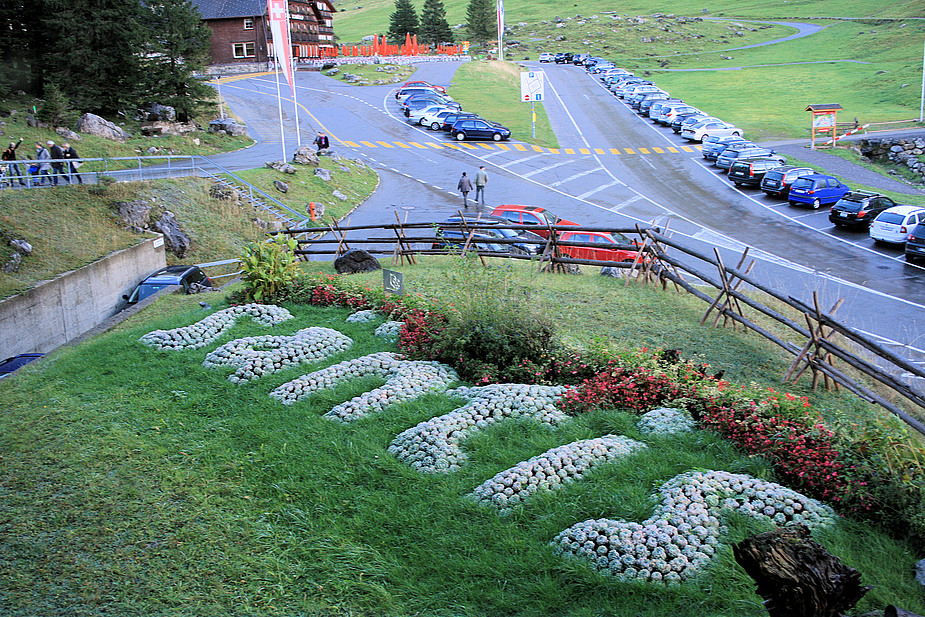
[{"x": 60, "y": 310}]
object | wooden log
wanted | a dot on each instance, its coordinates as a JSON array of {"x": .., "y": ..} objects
[{"x": 796, "y": 576}]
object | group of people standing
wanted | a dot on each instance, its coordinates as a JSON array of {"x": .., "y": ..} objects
[
  {"x": 465, "y": 186},
  {"x": 50, "y": 160}
]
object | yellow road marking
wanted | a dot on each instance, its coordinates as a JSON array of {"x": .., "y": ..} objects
[
  {"x": 629, "y": 150},
  {"x": 569, "y": 151},
  {"x": 520, "y": 147},
  {"x": 385, "y": 144},
  {"x": 538, "y": 149},
  {"x": 598, "y": 151},
  {"x": 401, "y": 144},
  {"x": 554, "y": 151},
  {"x": 615, "y": 150},
  {"x": 643, "y": 151},
  {"x": 487, "y": 146},
  {"x": 673, "y": 150},
  {"x": 659, "y": 150},
  {"x": 368, "y": 144},
  {"x": 417, "y": 145},
  {"x": 503, "y": 147},
  {"x": 687, "y": 148},
  {"x": 351, "y": 144},
  {"x": 584, "y": 150},
  {"x": 433, "y": 145}
]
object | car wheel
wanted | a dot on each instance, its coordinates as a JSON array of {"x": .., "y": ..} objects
[
  {"x": 792, "y": 203},
  {"x": 816, "y": 204},
  {"x": 434, "y": 126},
  {"x": 910, "y": 258},
  {"x": 736, "y": 134},
  {"x": 460, "y": 136},
  {"x": 421, "y": 121},
  {"x": 496, "y": 137}
]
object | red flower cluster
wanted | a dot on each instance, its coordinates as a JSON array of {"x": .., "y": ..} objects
[
  {"x": 622, "y": 388},
  {"x": 418, "y": 335}
]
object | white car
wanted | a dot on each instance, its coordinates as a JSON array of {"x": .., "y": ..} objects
[
  {"x": 434, "y": 121},
  {"x": 613, "y": 72},
  {"x": 632, "y": 91},
  {"x": 895, "y": 224},
  {"x": 547, "y": 57},
  {"x": 715, "y": 128},
  {"x": 416, "y": 116}
]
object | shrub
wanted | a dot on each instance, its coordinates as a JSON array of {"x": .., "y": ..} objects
[{"x": 268, "y": 266}]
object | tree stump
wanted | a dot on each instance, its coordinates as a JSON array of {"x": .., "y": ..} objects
[{"x": 796, "y": 576}]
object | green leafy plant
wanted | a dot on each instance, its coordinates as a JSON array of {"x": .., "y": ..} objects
[{"x": 268, "y": 266}]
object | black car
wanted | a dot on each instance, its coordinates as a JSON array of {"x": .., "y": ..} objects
[
  {"x": 859, "y": 208},
  {"x": 777, "y": 181},
  {"x": 452, "y": 119},
  {"x": 185, "y": 276},
  {"x": 730, "y": 155},
  {"x": 499, "y": 229},
  {"x": 915, "y": 243},
  {"x": 11, "y": 364},
  {"x": 477, "y": 128},
  {"x": 563, "y": 57},
  {"x": 751, "y": 171}
]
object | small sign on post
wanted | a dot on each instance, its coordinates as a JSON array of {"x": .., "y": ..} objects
[
  {"x": 392, "y": 282},
  {"x": 531, "y": 90}
]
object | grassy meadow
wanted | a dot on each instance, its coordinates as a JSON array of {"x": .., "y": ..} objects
[{"x": 157, "y": 486}]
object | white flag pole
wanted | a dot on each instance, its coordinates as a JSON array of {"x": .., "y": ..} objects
[
  {"x": 292, "y": 67},
  {"x": 279, "y": 101}
]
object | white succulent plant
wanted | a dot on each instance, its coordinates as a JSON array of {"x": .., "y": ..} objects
[
  {"x": 256, "y": 356},
  {"x": 666, "y": 421},
  {"x": 363, "y": 316},
  {"x": 552, "y": 469},
  {"x": 210, "y": 328},
  {"x": 434, "y": 446},
  {"x": 389, "y": 330},
  {"x": 684, "y": 532},
  {"x": 405, "y": 380}
]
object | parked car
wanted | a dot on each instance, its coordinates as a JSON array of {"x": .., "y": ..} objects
[
  {"x": 713, "y": 146},
  {"x": 776, "y": 182},
  {"x": 670, "y": 112},
  {"x": 499, "y": 229},
  {"x": 685, "y": 120},
  {"x": 619, "y": 86},
  {"x": 422, "y": 102},
  {"x": 563, "y": 57},
  {"x": 416, "y": 116},
  {"x": 403, "y": 93},
  {"x": 894, "y": 224},
  {"x": 600, "y": 67},
  {"x": 452, "y": 118},
  {"x": 751, "y": 171},
  {"x": 423, "y": 84},
  {"x": 725, "y": 160},
  {"x": 647, "y": 101},
  {"x": 635, "y": 89},
  {"x": 859, "y": 208},
  {"x": 915, "y": 243},
  {"x": 434, "y": 121},
  {"x": 185, "y": 276},
  {"x": 16, "y": 362},
  {"x": 656, "y": 107},
  {"x": 455, "y": 239},
  {"x": 477, "y": 128},
  {"x": 637, "y": 100},
  {"x": 612, "y": 77},
  {"x": 612, "y": 72},
  {"x": 530, "y": 215},
  {"x": 708, "y": 128},
  {"x": 604, "y": 253},
  {"x": 816, "y": 190},
  {"x": 577, "y": 59},
  {"x": 546, "y": 57}
]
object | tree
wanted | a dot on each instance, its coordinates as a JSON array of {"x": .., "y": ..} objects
[
  {"x": 434, "y": 27},
  {"x": 403, "y": 21},
  {"x": 177, "y": 44},
  {"x": 481, "y": 21},
  {"x": 21, "y": 44}
]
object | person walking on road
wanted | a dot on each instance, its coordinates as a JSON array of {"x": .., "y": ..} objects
[
  {"x": 321, "y": 141},
  {"x": 13, "y": 168},
  {"x": 42, "y": 156},
  {"x": 57, "y": 162},
  {"x": 481, "y": 179},
  {"x": 464, "y": 186},
  {"x": 70, "y": 153}
]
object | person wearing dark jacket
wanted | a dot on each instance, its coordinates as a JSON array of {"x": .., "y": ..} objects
[
  {"x": 13, "y": 168},
  {"x": 70, "y": 153},
  {"x": 57, "y": 161},
  {"x": 464, "y": 186}
]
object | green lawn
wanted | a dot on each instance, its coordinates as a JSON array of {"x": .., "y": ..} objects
[{"x": 152, "y": 485}]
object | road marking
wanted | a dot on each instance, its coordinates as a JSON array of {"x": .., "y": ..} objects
[
  {"x": 523, "y": 160},
  {"x": 629, "y": 150},
  {"x": 433, "y": 145},
  {"x": 487, "y": 146},
  {"x": 385, "y": 144},
  {"x": 576, "y": 176},
  {"x": 584, "y": 150},
  {"x": 599, "y": 151},
  {"x": 538, "y": 149},
  {"x": 401, "y": 144},
  {"x": 632, "y": 199},
  {"x": 520, "y": 147},
  {"x": 615, "y": 150},
  {"x": 417, "y": 145},
  {"x": 368, "y": 144},
  {"x": 658, "y": 150},
  {"x": 601, "y": 188},
  {"x": 553, "y": 166},
  {"x": 643, "y": 151},
  {"x": 569, "y": 151}
]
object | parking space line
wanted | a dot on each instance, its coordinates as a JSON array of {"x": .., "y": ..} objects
[
  {"x": 385, "y": 144},
  {"x": 601, "y": 188},
  {"x": 547, "y": 168},
  {"x": 576, "y": 176},
  {"x": 632, "y": 199}
]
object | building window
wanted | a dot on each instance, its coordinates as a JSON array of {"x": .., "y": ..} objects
[
  {"x": 248, "y": 23},
  {"x": 244, "y": 50}
]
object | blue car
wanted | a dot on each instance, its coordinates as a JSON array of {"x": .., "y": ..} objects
[
  {"x": 11, "y": 364},
  {"x": 816, "y": 190}
]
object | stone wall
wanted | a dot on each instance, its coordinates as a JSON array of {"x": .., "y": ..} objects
[
  {"x": 897, "y": 150},
  {"x": 57, "y": 311}
]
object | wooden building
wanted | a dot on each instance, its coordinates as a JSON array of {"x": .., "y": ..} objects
[{"x": 241, "y": 33}]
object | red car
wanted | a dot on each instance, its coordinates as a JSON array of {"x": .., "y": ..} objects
[
  {"x": 423, "y": 84},
  {"x": 597, "y": 254},
  {"x": 530, "y": 215}
]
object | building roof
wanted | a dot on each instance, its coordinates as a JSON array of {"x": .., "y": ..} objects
[
  {"x": 824, "y": 107},
  {"x": 224, "y": 9}
]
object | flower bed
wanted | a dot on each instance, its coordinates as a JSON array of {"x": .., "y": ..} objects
[
  {"x": 256, "y": 356},
  {"x": 683, "y": 534},
  {"x": 552, "y": 470},
  {"x": 435, "y": 445},
  {"x": 207, "y": 330},
  {"x": 407, "y": 380}
]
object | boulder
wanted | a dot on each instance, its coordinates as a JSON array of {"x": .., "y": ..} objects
[
  {"x": 155, "y": 112},
  {"x": 227, "y": 125},
  {"x": 322, "y": 173},
  {"x": 177, "y": 242},
  {"x": 13, "y": 264},
  {"x": 920, "y": 572},
  {"x": 281, "y": 186},
  {"x": 340, "y": 196},
  {"x": 136, "y": 214},
  {"x": 356, "y": 260},
  {"x": 612, "y": 272},
  {"x": 68, "y": 134},
  {"x": 21, "y": 246},
  {"x": 91, "y": 124},
  {"x": 305, "y": 155},
  {"x": 162, "y": 127}
]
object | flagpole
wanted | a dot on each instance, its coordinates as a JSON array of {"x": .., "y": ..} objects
[
  {"x": 279, "y": 100},
  {"x": 295, "y": 103}
]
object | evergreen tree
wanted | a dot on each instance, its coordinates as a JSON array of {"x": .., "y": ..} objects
[
  {"x": 481, "y": 21},
  {"x": 434, "y": 27},
  {"x": 93, "y": 51},
  {"x": 177, "y": 45},
  {"x": 21, "y": 44},
  {"x": 402, "y": 22}
]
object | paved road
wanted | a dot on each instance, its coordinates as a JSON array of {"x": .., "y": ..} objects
[{"x": 795, "y": 249}]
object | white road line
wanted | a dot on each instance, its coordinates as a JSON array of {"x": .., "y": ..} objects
[
  {"x": 525, "y": 159},
  {"x": 547, "y": 168},
  {"x": 578, "y": 175},
  {"x": 632, "y": 199},
  {"x": 606, "y": 186}
]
